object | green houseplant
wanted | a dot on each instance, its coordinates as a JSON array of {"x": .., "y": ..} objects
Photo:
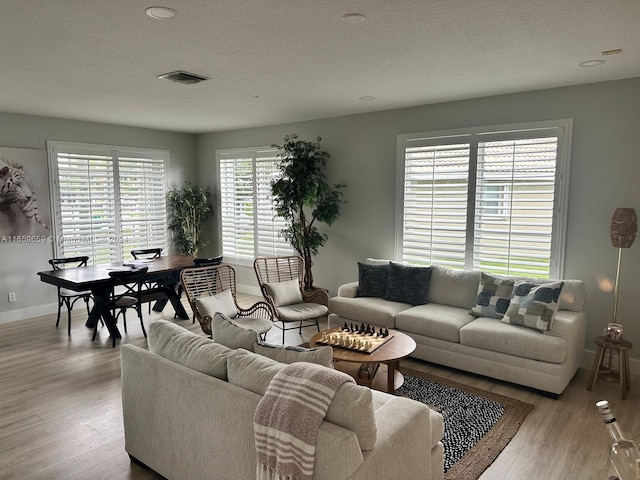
[
  {"x": 303, "y": 197},
  {"x": 189, "y": 207}
]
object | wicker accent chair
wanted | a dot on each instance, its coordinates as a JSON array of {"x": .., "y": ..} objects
[
  {"x": 272, "y": 271},
  {"x": 212, "y": 280}
]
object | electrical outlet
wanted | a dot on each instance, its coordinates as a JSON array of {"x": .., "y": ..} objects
[{"x": 12, "y": 296}]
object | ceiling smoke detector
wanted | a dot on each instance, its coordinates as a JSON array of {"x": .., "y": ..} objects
[{"x": 180, "y": 76}]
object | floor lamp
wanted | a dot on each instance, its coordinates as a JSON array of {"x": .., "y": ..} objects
[{"x": 624, "y": 225}]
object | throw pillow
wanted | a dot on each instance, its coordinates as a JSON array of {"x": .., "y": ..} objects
[
  {"x": 288, "y": 354},
  {"x": 533, "y": 306},
  {"x": 222, "y": 302},
  {"x": 494, "y": 296},
  {"x": 372, "y": 280},
  {"x": 194, "y": 351},
  {"x": 408, "y": 284},
  {"x": 284, "y": 293},
  {"x": 228, "y": 333}
]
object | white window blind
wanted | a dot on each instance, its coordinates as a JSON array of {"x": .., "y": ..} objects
[
  {"x": 250, "y": 227},
  {"x": 107, "y": 200},
  {"x": 487, "y": 199}
]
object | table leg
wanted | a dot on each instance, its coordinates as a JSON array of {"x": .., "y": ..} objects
[
  {"x": 392, "y": 366},
  {"x": 171, "y": 285},
  {"x": 597, "y": 361},
  {"x": 102, "y": 297}
]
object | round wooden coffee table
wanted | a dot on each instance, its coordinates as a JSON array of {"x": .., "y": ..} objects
[{"x": 378, "y": 369}]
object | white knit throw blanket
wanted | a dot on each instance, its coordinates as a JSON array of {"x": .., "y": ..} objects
[{"x": 287, "y": 419}]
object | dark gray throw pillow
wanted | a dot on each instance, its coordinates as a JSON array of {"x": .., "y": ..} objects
[
  {"x": 372, "y": 280},
  {"x": 408, "y": 284}
]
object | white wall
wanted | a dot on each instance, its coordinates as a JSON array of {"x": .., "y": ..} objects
[
  {"x": 605, "y": 174},
  {"x": 19, "y": 263}
]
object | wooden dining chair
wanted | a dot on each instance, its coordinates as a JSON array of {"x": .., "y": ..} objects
[
  {"x": 146, "y": 253},
  {"x": 280, "y": 280},
  {"x": 213, "y": 288},
  {"x": 70, "y": 297},
  {"x": 127, "y": 293}
]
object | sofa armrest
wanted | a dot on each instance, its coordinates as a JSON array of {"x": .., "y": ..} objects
[
  {"x": 407, "y": 445},
  {"x": 349, "y": 290}
]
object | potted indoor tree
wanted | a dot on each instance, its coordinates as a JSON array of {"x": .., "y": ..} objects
[
  {"x": 189, "y": 207},
  {"x": 303, "y": 197}
]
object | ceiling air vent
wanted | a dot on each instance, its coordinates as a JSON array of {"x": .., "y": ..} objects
[{"x": 181, "y": 76}]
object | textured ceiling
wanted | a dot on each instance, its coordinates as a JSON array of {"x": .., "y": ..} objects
[{"x": 278, "y": 61}]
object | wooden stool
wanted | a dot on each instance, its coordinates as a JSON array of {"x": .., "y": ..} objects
[{"x": 599, "y": 370}]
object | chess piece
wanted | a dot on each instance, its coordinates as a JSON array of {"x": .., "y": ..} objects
[
  {"x": 345, "y": 327},
  {"x": 386, "y": 332}
]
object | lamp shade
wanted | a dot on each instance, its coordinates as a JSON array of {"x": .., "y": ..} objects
[{"x": 624, "y": 226}]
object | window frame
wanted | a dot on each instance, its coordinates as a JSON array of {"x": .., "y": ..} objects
[
  {"x": 473, "y": 136},
  {"x": 253, "y": 154},
  {"x": 115, "y": 153}
]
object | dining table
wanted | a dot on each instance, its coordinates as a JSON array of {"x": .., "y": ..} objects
[{"x": 163, "y": 272}]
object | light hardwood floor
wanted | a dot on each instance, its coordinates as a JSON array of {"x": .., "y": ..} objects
[{"x": 60, "y": 409}]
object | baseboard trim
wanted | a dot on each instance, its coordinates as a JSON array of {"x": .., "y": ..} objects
[{"x": 29, "y": 312}]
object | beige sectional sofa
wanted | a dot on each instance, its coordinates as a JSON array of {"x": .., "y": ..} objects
[
  {"x": 447, "y": 334},
  {"x": 188, "y": 407}
]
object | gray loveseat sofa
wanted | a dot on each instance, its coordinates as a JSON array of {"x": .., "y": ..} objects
[
  {"x": 188, "y": 406},
  {"x": 447, "y": 334}
]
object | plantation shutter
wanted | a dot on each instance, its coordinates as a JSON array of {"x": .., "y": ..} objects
[
  {"x": 489, "y": 199},
  {"x": 237, "y": 207},
  {"x": 515, "y": 190},
  {"x": 435, "y": 203},
  {"x": 143, "y": 202},
  {"x": 107, "y": 200},
  {"x": 268, "y": 225},
  {"x": 250, "y": 227}
]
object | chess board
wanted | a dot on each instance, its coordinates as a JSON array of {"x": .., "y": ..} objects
[{"x": 355, "y": 341}]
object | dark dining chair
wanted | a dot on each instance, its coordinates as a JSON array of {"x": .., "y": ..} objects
[
  {"x": 127, "y": 293},
  {"x": 207, "y": 261},
  {"x": 146, "y": 253},
  {"x": 70, "y": 297}
]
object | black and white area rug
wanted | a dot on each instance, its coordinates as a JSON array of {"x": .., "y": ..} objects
[{"x": 477, "y": 424}]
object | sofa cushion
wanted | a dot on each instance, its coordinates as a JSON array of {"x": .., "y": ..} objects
[
  {"x": 289, "y": 354},
  {"x": 372, "y": 279},
  {"x": 492, "y": 335},
  {"x": 227, "y": 332},
  {"x": 370, "y": 310},
  {"x": 188, "y": 349},
  {"x": 494, "y": 296},
  {"x": 533, "y": 306},
  {"x": 222, "y": 302},
  {"x": 302, "y": 311},
  {"x": 408, "y": 284},
  {"x": 434, "y": 320},
  {"x": 457, "y": 288},
  {"x": 351, "y": 407},
  {"x": 284, "y": 293}
]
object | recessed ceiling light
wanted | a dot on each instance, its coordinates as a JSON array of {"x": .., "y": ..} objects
[
  {"x": 353, "y": 18},
  {"x": 591, "y": 63},
  {"x": 161, "y": 13},
  {"x": 366, "y": 98}
]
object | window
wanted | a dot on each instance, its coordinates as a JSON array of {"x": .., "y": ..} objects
[
  {"x": 250, "y": 227},
  {"x": 107, "y": 200},
  {"x": 491, "y": 199}
]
